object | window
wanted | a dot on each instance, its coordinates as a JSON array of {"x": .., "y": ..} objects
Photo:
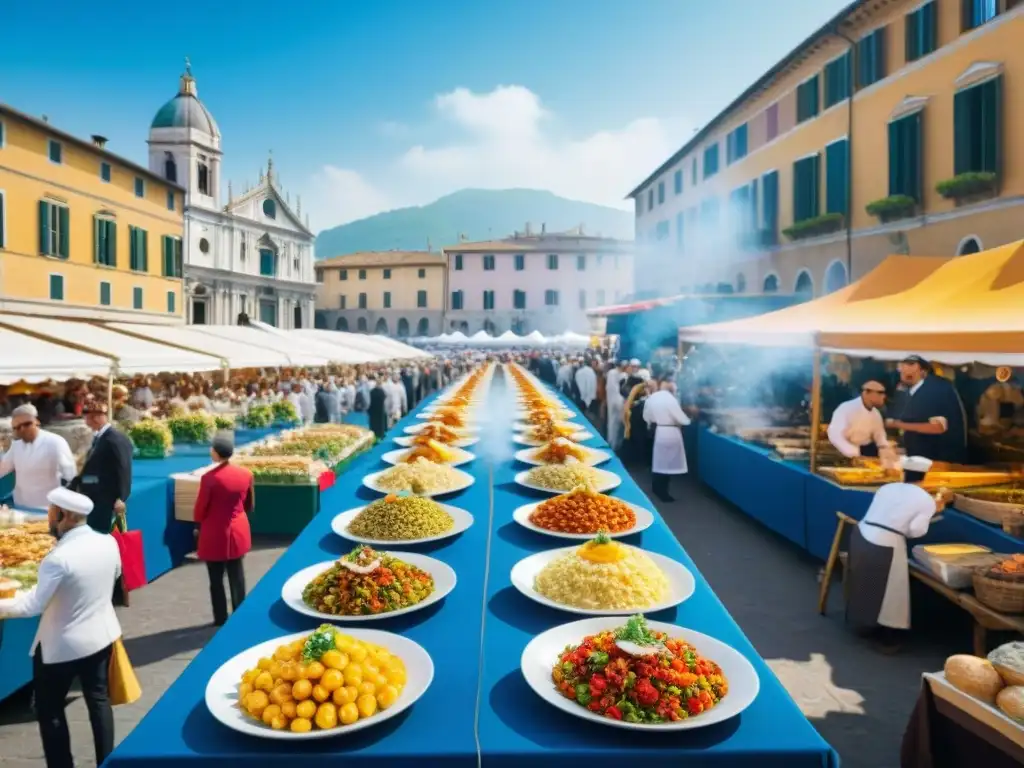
[
  {"x": 742, "y": 210},
  {"x": 56, "y": 152},
  {"x": 268, "y": 262},
  {"x": 361, "y": 325},
  {"x": 136, "y": 297},
  {"x": 138, "y": 245},
  {"x": 104, "y": 241},
  {"x": 661, "y": 231},
  {"x": 871, "y": 58},
  {"x": 520, "y": 261},
  {"x": 319, "y": 273},
  {"x": 835, "y": 277},
  {"x": 140, "y": 187},
  {"x": 709, "y": 215},
  {"x": 458, "y": 262},
  {"x": 489, "y": 262},
  {"x": 680, "y": 231},
  {"x": 362, "y": 301},
  {"x": 241, "y": 247},
  {"x": 172, "y": 266},
  {"x": 583, "y": 299},
  {"x": 105, "y": 172},
  {"x": 837, "y": 176},
  {"x": 57, "y": 287},
  {"x": 519, "y": 299},
  {"x": 807, "y": 99},
  {"x": 736, "y": 145},
  {"x": 693, "y": 173},
  {"x": 344, "y": 274},
  {"x": 456, "y": 299},
  {"x": 837, "y": 80},
  {"x": 53, "y": 229},
  {"x": 387, "y": 299},
  {"x": 650, "y": 199},
  {"x": 974, "y": 13},
  {"x": 710, "y": 161},
  {"x": 421, "y": 299},
  {"x": 171, "y": 302},
  {"x": 806, "y": 181},
  {"x": 170, "y": 168},
  {"x": 600, "y": 297},
  {"x": 362, "y": 274},
  {"x": 270, "y": 208},
  {"x": 804, "y": 284},
  {"x": 387, "y": 274},
  {"x": 771, "y": 118},
  {"x": 581, "y": 263},
  {"x": 488, "y": 299},
  {"x": 921, "y": 34},
  {"x": 677, "y": 178},
  {"x": 203, "y": 178},
  {"x": 421, "y": 273},
  {"x": 552, "y": 261},
  {"x": 977, "y": 127},
  {"x": 170, "y": 199},
  {"x": 104, "y": 294},
  {"x": 661, "y": 192},
  {"x": 550, "y": 298},
  {"x": 1, "y": 135},
  {"x": 771, "y": 284},
  {"x": 905, "y": 168}
]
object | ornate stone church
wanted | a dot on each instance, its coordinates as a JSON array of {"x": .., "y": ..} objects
[{"x": 251, "y": 255}]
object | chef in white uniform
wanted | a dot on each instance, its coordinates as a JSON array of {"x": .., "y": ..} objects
[
  {"x": 662, "y": 411},
  {"x": 857, "y": 427},
  {"x": 616, "y": 404},
  {"x": 586, "y": 383},
  {"x": 878, "y": 575},
  {"x": 40, "y": 460}
]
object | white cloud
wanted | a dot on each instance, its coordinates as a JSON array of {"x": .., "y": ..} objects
[{"x": 502, "y": 139}]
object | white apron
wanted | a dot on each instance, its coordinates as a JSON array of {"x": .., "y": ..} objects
[
  {"x": 669, "y": 453},
  {"x": 895, "y": 611}
]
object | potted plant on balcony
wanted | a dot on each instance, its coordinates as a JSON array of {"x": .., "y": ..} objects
[
  {"x": 892, "y": 208},
  {"x": 825, "y": 224},
  {"x": 970, "y": 187}
]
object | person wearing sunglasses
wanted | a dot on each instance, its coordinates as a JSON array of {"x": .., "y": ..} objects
[
  {"x": 857, "y": 428},
  {"x": 40, "y": 460}
]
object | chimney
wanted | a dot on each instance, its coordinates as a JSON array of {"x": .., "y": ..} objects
[
  {"x": 526, "y": 230},
  {"x": 99, "y": 141},
  {"x": 543, "y": 228}
]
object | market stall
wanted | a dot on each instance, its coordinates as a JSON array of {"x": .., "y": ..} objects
[
  {"x": 377, "y": 349},
  {"x": 237, "y": 354},
  {"x": 297, "y": 354},
  {"x": 478, "y": 708}
]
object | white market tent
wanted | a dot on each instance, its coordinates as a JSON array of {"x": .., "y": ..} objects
[
  {"x": 535, "y": 337},
  {"x": 401, "y": 349},
  {"x": 130, "y": 355},
  {"x": 481, "y": 339},
  {"x": 296, "y": 353},
  {"x": 33, "y": 360},
  {"x": 356, "y": 342},
  {"x": 235, "y": 353},
  {"x": 458, "y": 338},
  {"x": 314, "y": 345},
  {"x": 571, "y": 339},
  {"x": 509, "y": 339}
]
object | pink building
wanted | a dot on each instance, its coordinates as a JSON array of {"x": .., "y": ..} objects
[{"x": 534, "y": 282}]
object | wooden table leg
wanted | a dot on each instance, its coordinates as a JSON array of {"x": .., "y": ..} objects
[
  {"x": 830, "y": 564},
  {"x": 980, "y": 640}
]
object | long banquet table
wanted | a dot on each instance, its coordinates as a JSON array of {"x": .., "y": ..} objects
[{"x": 478, "y": 709}]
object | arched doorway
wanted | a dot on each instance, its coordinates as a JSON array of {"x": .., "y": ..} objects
[
  {"x": 341, "y": 324},
  {"x": 804, "y": 284},
  {"x": 320, "y": 320},
  {"x": 969, "y": 245},
  {"x": 519, "y": 327},
  {"x": 489, "y": 327},
  {"x": 361, "y": 325},
  {"x": 741, "y": 283},
  {"x": 423, "y": 327},
  {"x": 381, "y": 327},
  {"x": 835, "y": 277},
  {"x": 464, "y": 326},
  {"x": 771, "y": 284},
  {"x": 297, "y": 317},
  {"x": 403, "y": 328}
]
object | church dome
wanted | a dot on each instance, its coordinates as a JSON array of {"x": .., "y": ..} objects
[{"x": 185, "y": 110}]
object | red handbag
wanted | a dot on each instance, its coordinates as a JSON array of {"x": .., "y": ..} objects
[
  {"x": 327, "y": 480},
  {"x": 133, "y": 559}
]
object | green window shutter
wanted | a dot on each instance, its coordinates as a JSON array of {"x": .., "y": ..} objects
[
  {"x": 929, "y": 28},
  {"x": 911, "y": 36},
  {"x": 112, "y": 239},
  {"x": 991, "y": 116},
  {"x": 770, "y": 209},
  {"x": 966, "y": 15},
  {"x": 44, "y": 227},
  {"x": 836, "y": 176},
  {"x": 105, "y": 294},
  {"x": 133, "y": 248},
  {"x": 895, "y": 157},
  {"x": 63, "y": 231},
  {"x": 96, "y": 237},
  {"x": 170, "y": 302},
  {"x": 145, "y": 251},
  {"x": 962, "y": 138}
]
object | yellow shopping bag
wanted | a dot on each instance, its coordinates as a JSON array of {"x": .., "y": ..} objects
[{"x": 124, "y": 685}]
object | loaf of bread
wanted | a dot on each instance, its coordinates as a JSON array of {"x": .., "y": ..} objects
[
  {"x": 1011, "y": 701},
  {"x": 974, "y": 676},
  {"x": 1008, "y": 659}
]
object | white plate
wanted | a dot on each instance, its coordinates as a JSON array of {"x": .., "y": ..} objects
[
  {"x": 524, "y": 573},
  {"x": 520, "y": 438},
  {"x": 559, "y": 413},
  {"x": 461, "y": 457},
  {"x": 543, "y": 651},
  {"x": 644, "y": 520},
  {"x": 470, "y": 416},
  {"x": 340, "y": 524},
  {"x": 222, "y": 690},
  {"x": 415, "y": 429},
  {"x": 370, "y": 481},
  {"x": 607, "y": 481},
  {"x": 522, "y": 426},
  {"x": 591, "y": 456},
  {"x": 444, "y": 582},
  {"x": 465, "y": 442}
]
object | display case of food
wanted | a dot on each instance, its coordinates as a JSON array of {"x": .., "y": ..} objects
[{"x": 941, "y": 475}]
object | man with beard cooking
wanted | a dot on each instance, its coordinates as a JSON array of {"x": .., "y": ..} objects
[
  {"x": 932, "y": 419},
  {"x": 857, "y": 428}
]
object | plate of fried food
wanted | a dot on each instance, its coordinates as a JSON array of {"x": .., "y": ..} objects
[
  {"x": 562, "y": 478},
  {"x": 439, "y": 432},
  {"x": 582, "y": 514},
  {"x": 561, "y": 451},
  {"x": 430, "y": 451}
]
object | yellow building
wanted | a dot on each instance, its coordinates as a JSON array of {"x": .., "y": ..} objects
[
  {"x": 390, "y": 292},
  {"x": 892, "y": 129},
  {"x": 84, "y": 232}
]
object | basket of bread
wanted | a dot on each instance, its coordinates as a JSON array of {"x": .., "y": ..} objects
[
  {"x": 1001, "y": 586},
  {"x": 997, "y": 681}
]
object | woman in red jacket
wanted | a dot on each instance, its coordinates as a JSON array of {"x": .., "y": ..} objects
[{"x": 222, "y": 507}]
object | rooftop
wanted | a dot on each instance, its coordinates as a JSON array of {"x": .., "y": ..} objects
[
  {"x": 383, "y": 259},
  {"x": 544, "y": 242}
]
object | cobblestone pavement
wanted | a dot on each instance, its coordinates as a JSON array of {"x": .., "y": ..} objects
[{"x": 858, "y": 699}]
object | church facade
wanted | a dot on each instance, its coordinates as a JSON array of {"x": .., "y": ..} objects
[{"x": 251, "y": 256}]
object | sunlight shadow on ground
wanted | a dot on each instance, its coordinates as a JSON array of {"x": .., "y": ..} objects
[{"x": 810, "y": 684}]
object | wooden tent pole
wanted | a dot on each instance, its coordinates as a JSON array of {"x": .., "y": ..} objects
[{"x": 815, "y": 405}]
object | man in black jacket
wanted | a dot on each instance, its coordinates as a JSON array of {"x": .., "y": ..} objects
[
  {"x": 106, "y": 476},
  {"x": 377, "y": 413}
]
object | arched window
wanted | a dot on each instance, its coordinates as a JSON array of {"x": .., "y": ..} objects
[
  {"x": 771, "y": 284},
  {"x": 804, "y": 284},
  {"x": 489, "y": 327},
  {"x": 342, "y": 324},
  {"x": 170, "y": 168},
  {"x": 464, "y": 326},
  {"x": 403, "y": 327},
  {"x": 320, "y": 320},
  {"x": 361, "y": 325},
  {"x": 835, "y": 277},
  {"x": 741, "y": 283},
  {"x": 519, "y": 327},
  {"x": 381, "y": 327},
  {"x": 968, "y": 246},
  {"x": 423, "y": 327}
]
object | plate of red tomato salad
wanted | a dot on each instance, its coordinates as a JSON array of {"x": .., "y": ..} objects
[{"x": 639, "y": 674}]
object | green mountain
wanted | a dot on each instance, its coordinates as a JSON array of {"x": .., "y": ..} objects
[{"x": 479, "y": 214}]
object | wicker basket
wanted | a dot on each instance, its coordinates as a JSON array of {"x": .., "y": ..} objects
[
  {"x": 1002, "y": 596},
  {"x": 989, "y": 511}
]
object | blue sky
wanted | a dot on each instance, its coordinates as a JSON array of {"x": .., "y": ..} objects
[{"x": 370, "y": 106}]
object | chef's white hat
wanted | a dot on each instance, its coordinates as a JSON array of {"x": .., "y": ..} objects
[
  {"x": 70, "y": 501},
  {"x": 915, "y": 464},
  {"x": 634, "y": 361}
]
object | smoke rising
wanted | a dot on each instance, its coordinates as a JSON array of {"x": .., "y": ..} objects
[{"x": 499, "y": 410}]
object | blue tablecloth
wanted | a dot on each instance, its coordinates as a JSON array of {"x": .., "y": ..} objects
[
  {"x": 476, "y": 702},
  {"x": 16, "y": 637}
]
